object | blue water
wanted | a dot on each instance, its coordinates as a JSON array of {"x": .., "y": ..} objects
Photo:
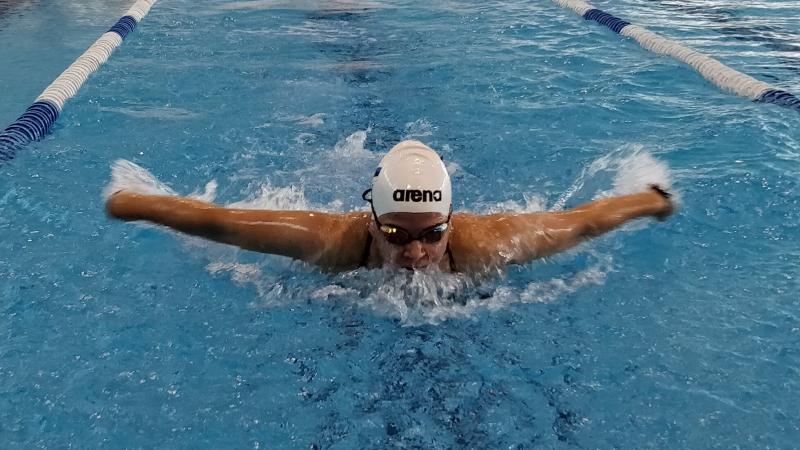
[{"x": 682, "y": 334}]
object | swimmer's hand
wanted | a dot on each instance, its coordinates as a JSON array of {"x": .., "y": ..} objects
[
  {"x": 122, "y": 205},
  {"x": 114, "y": 204},
  {"x": 666, "y": 206}
]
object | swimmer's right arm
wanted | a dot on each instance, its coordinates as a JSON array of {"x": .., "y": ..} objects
[{"x": 304, "y": 235}]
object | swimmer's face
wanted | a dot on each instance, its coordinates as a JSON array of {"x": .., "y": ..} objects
[{"x": 424, "y": 250}]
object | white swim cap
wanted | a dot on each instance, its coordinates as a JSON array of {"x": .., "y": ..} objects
[{"x": 411, "y": 178}]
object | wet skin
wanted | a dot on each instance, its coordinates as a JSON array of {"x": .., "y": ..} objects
[{"x": 477, "y": 243}]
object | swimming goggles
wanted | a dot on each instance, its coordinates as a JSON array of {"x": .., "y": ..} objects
[{"x": 399, "y": 236}]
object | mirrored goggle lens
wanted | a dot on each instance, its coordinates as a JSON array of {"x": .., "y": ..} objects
[
  {"x": 434, "y": 234},
  {"x": 395, "y": 236},
  {"x": 399, "y": 236}
]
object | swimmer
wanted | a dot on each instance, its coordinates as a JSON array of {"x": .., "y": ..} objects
[{"x": 410, "y": 223}]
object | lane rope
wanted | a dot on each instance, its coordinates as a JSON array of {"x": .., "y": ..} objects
[
  {"x": 36, "y": 121},
  {"x": 714, "y": 71}
]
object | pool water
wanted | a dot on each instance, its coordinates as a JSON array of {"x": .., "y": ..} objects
[{"x": 681, "y": 334}]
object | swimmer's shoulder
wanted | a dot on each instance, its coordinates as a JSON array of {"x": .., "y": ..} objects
[
  {"x": 345, "y": 241},
  {"x": 473, "y": 242}
]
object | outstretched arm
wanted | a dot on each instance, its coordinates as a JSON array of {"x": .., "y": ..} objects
[
  {"x": 304, "y": 235},
  {"x": 549, "y": 233},
  {"x": 519, "y": 238}
]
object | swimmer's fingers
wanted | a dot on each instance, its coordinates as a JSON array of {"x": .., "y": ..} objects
[
  {"x": 127, "y": 205},
  {"x": 118, "y": 205},
  {"x": 667, "y": 202}
]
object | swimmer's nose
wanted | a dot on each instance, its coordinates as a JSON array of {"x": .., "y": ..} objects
[{"x": 413, "y": 251}]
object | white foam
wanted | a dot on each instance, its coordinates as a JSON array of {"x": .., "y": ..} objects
[
  {"x": 638, "y": 170},
  {"x": 127, "y": 176},
  {"x": 555, "y": 288},
  {"x": 631, "y": 168},
  {"x": 241, "y": 273},
  {"x": 267, "y": 277},
  {"x": 278, "y": 198},
  {"x": 431, "y": 297},
  {"x": 531, "y": 203},
  {"x": 413, "y": 298},
  {"x": 331, "y": 290},
  {"x": 418, "y": 129},
  {"x": 208, "y": 194},
  {"x": 353, "y": 146},
  {"x": 342, "y": 172}
]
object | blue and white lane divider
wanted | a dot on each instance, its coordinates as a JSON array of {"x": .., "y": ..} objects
[
  {"x": 39, "y": 117},
  {"x": 711, "y": 69}
]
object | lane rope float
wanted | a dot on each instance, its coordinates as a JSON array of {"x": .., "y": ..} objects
[
  {"x": 714, "y": 71},
  {"x": 36, "y": 121}
]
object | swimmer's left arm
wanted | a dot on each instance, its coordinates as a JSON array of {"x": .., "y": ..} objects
[{"x": 541, "y": 234}]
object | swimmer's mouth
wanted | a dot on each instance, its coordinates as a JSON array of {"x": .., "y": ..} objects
[{"x": 412, "y": 267}]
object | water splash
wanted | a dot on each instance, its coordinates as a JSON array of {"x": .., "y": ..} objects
[
  {"x": 532, "y": 203},
  {"x": 631, "y": 169},
  {"x": 418, "y": 129},
  {"x": 272, "y": 197},
  {"x": 432, "y": 297},
  {"x": 342, "y": 173},
  {"x": 638, "y": 169},
  {"x": 413, "y": 298},
  {"x": 353, "y": 146},
  {"x": 127, "y": 176}
]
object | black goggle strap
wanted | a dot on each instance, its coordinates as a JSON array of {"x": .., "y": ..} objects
[{"x": 367, "y": 196}]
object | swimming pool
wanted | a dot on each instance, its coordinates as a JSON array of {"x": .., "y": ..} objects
[{"x": 682, "y": 334}]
